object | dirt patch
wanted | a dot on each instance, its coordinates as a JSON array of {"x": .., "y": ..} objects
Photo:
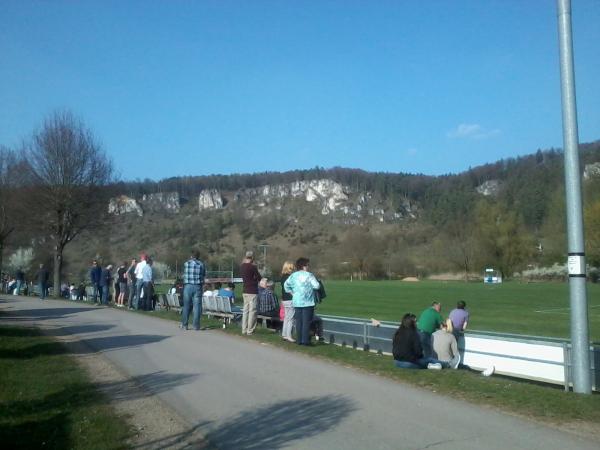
[{"x": 410, "y": 279}]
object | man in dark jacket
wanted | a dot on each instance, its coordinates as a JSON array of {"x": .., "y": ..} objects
[
  {"x": 251, "y": 278},
  {"x": 95, "y": 274},
  {"x": 42, "y": 277},
  {"x": 20, "y": 277},
  {"x": 104, "y": 283}
]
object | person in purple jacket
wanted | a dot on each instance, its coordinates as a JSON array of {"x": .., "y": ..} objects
[
  {"x": 251, "y": 277},
  {"x": 460, "y": 318}
]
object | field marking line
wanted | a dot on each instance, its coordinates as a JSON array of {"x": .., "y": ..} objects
[{"x": 558, "y": 310}]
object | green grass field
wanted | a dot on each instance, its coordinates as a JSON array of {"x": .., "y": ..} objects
[
  {"x": 540, "y": 309},
  {"x": 47, "y": 399}
]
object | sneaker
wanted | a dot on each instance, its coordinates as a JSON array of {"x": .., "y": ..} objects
[
  {"x": 434, "y": 366},
  {"x": 181, "y": 327}
]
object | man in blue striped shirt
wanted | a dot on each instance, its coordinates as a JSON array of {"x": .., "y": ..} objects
[{"x": 193, "y": 279}]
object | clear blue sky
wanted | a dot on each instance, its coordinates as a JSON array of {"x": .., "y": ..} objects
[{"x": 199, "y": 87}]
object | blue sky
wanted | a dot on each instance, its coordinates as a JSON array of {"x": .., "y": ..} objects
[{"x": 200, "y": 87}]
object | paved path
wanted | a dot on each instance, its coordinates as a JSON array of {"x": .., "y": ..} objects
[{"x": 244, "y": 395}]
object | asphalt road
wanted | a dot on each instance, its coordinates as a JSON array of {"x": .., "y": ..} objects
[{"x": 244, "y": 395}]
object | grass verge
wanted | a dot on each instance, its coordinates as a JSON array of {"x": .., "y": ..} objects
[
  {"x": 47, "y": 400},
  {"x": 534, "y": 400}
]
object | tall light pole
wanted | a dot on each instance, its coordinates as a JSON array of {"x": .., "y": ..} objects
[{"x": 576, "y": 262}]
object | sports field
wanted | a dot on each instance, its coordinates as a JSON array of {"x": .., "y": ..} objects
[{"x": 540, "y": 309}]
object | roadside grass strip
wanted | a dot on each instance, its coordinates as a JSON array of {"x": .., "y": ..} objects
[
  {"x": 47, "y": 400},
  {"x": 538, "y": 401}
]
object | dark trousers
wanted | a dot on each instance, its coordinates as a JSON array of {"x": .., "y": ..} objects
[
  {"x": 147, "y": 303},
  {"x": 303, "y": 316}
]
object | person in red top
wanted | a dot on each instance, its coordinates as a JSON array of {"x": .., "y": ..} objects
[{"x": 251, "y": 278}]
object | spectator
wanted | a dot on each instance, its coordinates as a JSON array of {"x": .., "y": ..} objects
[
  {"x": 460, "y": 318},
  {"x": 95, "y": 273},
  {"x": 104, "y": 283},
  {"x": 267, "y": 304},
  {"x": 193, "y": 279},
  {"x": 147, "y": 286},
  {"x": 20, "y": 277},
  {"x": 208, "y": 293},
  {"x": 250, "y": 277},
  {"x": 42, "y": 277},
  {"x": 11, "y": 286},
  {"x": 64, "y": 290},
  {"x": 131, "y": 283},
  {"x": 301, "y": 284},
  {"x": 216, "y": 288},
  {"x": 445, "y": 348},
  {"x": 72, "y": 292},
  {"x": 429, "y": 321},
  {"x": 228, "y": 292},
  {"x": 122, "y": 281},
  {"x": 139, "y": 281},
  {"x": 81, "y": 291},
  {"x": 406, "y": 347},
  {"x": 286, "y": 301}
]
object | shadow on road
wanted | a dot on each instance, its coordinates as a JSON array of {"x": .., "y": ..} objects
[
  {"x": 275, "y": 425},
  {"x": 83, "y": 346},
  {"x": 272, "y": 426},
  {"x": 43, "y": 313},
  {"x": 150, "y": 384},
  {"x": 77, "y": 329}
]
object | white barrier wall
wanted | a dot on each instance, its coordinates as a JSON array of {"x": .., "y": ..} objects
[
  {"x": 542, "y": 361},
  {"x": 529, "y": 357}
]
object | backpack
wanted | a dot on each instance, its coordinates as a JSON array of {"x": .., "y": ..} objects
[{"x": 320, "y": 293}]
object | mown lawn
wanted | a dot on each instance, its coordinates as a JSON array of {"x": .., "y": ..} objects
[
  {"x": 47, "y": 400},
  {"x": 540, "y": 309}
]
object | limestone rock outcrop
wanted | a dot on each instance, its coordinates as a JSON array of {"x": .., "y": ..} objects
[
  {"x": 123, "y": 205},
  {"x": 210, "y": 199}
]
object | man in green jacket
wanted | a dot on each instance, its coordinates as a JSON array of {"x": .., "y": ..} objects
[{"x": 429, "y": 321}]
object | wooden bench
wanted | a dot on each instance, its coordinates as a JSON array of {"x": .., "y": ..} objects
[
  {"x": 264, "y": 321},
  {"x": 220, "y": 307}
]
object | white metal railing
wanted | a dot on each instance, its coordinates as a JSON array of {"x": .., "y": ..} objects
[{"x": 530, "y": 357}]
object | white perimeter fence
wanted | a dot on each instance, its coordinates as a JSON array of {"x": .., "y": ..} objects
[{"x": 531, "y": 357}]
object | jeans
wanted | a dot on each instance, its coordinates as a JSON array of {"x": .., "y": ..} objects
[
  {"x": 18, "y": 287},
  {"x": 96, "y": 292},
  {"x": 288, "y": 319},
  {"x": 304, "y": 316},
  {"x": 425, "y": 338},
  {"x": 419, "y": 364},
  {"x": 43, "y": 290},
  {"x": 249, "y": 313},
  {"x": 130, "y": 294},
  {"x": 139, "y": 304},
  {"x": 104, "y": 294},
  {"x": 191, "y": 296}
]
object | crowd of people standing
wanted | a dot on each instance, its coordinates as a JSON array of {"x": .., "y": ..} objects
[{"x": 300, "y": 292}]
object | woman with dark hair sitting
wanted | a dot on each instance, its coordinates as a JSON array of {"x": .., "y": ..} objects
[{"x": 407, "y": 350}]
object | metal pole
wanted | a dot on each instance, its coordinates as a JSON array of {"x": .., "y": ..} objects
[{"x": 576, "y": 262}]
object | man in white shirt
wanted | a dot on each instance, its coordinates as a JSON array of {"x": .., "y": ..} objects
[{"x": 139, "y": 277}]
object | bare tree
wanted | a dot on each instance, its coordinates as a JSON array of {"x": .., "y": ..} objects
[
  {"x": 8, "y": 167},
  {"x": 69, "y": 173}
]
